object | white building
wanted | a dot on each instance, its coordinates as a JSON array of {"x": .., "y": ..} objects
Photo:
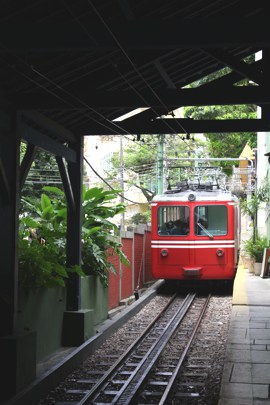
[{"x": 98, "y": 152}]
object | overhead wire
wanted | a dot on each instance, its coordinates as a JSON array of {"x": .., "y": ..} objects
[
  {"x": 72, "y": 95},
  {"x": 67, "y": 93},
  {"x": 105, "y": 181},
  {"x": 82, "y": 102},
  {"x": 130, "y": 61},
  {"x": 132, "y": 64},
  {"x": 84, "y": 157},
  {"x": 85, "y": 105},
  {"x": 32, "y": 80},
  {"x": 122, "y": 196}
]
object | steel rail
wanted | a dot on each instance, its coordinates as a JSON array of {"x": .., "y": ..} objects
[
  {"x": 165, "y": 397},
  {"x": 127, "y": 393},
  {"x": 93, "y": 391}
]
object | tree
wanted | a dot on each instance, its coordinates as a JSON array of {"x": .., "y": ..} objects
[
  {"x": 140, "y": 160},
  {"x": 44, "y": 171},
  {"x": 223, "y": 145},
  {"x": 253, "y": 204}
]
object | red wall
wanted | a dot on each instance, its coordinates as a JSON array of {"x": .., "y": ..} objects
[
  {"x": 114, "y": 283},
  {"x": 138, "y": 260},
  {"x": 126, "y": 280},
  {"x": 137, "y": 248},
  {"x": 148, "y": 258}
]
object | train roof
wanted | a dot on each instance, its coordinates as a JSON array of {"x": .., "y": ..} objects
[{"x": 197, "y": 195}]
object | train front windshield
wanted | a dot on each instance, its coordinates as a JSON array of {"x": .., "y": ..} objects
[
  {"x": 209, "y": 220},
  {"x": 173, "y": 220}
]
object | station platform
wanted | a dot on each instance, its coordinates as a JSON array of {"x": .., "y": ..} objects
[{"x": 246, "y": 375}]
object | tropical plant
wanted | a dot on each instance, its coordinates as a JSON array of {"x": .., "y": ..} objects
[
  {"x": 42, "y": 254},
  {"x": 255, "y": 249},
  {"x": 251, "y": 205},
  {"x": 100, "y": 236},
  {"x": 44, "y": 264}
]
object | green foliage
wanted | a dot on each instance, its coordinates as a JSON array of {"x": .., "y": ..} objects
[
  {"x": 100, "y": 236},
  {"x": 223, "y": 145},
  {"x": 251, "y": 205},
  {"x": 42, "y": 266},
  {"x": 45, "y": 264},
  {"x": 140, "y": 160},
  {"x": 42, "y": 256},
  {"x": 230, "y": 145},
  {"x": 44, "y": 170},
  {"x": 255, "y": 248},
  {"x": 140, "y": 218}
]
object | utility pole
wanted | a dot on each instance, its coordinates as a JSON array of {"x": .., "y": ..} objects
[
  {"x": 160, "y": 163},
  {"x": 122, "y": 181},
  {"x": 122, "y": 223}
]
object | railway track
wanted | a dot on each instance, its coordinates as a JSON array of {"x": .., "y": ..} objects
[
  {"x": 150, "y": 367},
  {"x": 103, "y": 376}
]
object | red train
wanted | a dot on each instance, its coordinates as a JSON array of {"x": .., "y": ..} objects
[{"x": 195, "y": 234}]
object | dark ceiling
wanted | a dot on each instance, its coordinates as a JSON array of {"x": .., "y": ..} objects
[{"x": 83, "y": 63}]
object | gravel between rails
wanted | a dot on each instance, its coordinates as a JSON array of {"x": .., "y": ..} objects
[{"x": 212, "y": 338}]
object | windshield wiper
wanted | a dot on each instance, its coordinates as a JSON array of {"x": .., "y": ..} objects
[{"x": 205, "y": 230}]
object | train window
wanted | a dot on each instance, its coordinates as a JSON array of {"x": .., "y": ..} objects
[
  {"x": 211, "y": 220},
  {"x": 173, "y": 220}
]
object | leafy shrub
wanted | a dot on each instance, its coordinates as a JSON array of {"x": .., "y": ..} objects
[
  {"x": 140, "y": 218},
  {"x": 255, "y": 247},
  {"x": 100, "y": 236},
  {"x": 45, "y": 264}
]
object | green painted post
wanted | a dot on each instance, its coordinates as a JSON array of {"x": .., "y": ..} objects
[{"x": 160, "y": 160}]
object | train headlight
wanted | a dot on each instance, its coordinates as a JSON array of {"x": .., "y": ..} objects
[
  {"x": 220, "y": 252},
  {"x": 192, "y": 197},
  {"x": 164, "y": 252}
]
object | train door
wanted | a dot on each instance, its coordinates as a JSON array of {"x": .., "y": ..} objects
[
  {"x": 237, "y": 231},
  {"x": 171, "y": 249},
  {"x": 213, "y": 240}
]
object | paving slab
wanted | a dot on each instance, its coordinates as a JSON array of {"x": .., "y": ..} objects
[
  {"x": 245, "y": 391},
  {"x": 239, "y": 356},
  {"x": 241, "y": 373},
  {"x": 233, "y": 401},
  {"x": 246, "y": 373}
]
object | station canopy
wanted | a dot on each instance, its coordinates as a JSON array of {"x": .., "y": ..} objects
[{"x": 82, "y": 64}]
